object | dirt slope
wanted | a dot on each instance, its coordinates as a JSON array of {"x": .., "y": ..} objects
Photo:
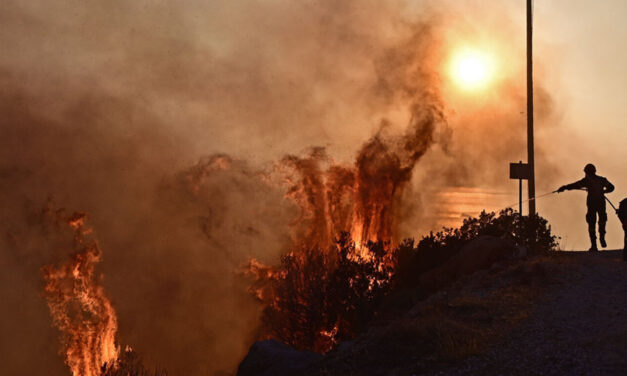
[
  {"x": 563, "y": 314},
  {"x": 578, "y": 328}
]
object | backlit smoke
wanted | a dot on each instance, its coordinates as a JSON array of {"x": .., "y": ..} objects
[
  {"x": 317, "y": 117},
  {"x": 361, "y": 199}
]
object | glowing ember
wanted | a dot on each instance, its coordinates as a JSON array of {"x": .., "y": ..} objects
[{"x": 80, "y": 309}]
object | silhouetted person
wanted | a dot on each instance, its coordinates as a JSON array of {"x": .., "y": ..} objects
[
  {"x": 622, "y": 214},
  {"x": 597, "y": 187}
]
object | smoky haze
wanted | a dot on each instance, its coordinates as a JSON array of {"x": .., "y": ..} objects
[{"x": 163, "y": 121}]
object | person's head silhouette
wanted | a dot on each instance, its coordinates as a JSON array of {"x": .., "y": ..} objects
[{"x": 590, "y": 169}]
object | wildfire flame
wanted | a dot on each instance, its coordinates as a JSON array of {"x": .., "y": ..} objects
[
  {"x": 80, "y": 308},
  {"x": 346, "y": 230},
  {"x": 361, "y": 199},
  {"x": 352, "y": 209}
]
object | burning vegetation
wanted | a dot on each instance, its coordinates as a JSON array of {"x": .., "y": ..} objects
[
  {"x": 344, "y": 256},
  {"x": 132, "y": 94},
  {"x": 79, "y": 307},
  {"x": 341, "y": 261},
  {"x": 328, "y": 288},
  {"x": 81, "y": 310},
  {"x": 315, "y": 298}
]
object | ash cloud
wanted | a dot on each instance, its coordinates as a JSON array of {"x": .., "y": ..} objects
[{"x": 110, "y": 106}]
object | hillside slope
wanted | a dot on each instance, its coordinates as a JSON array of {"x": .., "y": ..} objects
[
  {"x": 560, "y": 314},
  {"x": 579, "y": 327}
]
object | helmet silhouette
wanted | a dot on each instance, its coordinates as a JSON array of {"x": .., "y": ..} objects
[{"x": 590, "y": 169}]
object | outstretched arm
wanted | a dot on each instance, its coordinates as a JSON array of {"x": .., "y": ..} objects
[{"x": 576, "y": 185}]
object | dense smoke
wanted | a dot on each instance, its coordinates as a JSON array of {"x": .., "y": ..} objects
[{"x": 110, "y": 108}]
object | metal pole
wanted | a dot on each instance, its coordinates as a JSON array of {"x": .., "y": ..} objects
[
  {"x": 520, "y": 195},
  {"x": 530, "y": 148}
]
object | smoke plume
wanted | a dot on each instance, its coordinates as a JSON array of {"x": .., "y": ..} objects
[{"x": 198, "y": 135}]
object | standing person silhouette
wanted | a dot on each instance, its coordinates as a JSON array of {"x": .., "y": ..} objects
[{"x": 597, "y": 186}]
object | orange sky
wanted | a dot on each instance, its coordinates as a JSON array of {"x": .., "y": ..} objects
[
  {"x": 107, "y": 104},
  {"x": 194, "y": 64},
  {"x": 588, "y": 40},
  {"x": 580, "y": 59}
]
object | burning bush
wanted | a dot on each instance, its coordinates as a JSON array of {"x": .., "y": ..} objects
[
  {"x": 128, "y": 364},
  {"x": 315, "y": 298}
]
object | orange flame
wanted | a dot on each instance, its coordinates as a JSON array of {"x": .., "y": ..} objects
[
  {"x": 80, "y": 308},
  {"x": 342, "y": 209},
  {"x": 361, "y": 199}
]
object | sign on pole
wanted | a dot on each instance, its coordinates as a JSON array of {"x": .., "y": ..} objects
[{"x": 520, "y": 171}]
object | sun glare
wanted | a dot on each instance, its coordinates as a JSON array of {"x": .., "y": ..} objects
[{"x": 471, "y": 69}]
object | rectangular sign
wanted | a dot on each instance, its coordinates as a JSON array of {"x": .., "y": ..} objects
[{"x": 519, "y": 171}]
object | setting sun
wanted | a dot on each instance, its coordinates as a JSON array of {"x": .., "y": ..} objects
[{"x": 471, "y": 69}]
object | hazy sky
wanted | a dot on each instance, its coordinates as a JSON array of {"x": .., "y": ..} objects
[
  {"x": 580, "y": 59},
  {"x": 587, "y": 40},
  {"x": 111, "y": 107}
]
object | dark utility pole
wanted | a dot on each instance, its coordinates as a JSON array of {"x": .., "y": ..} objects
[{"x": 530, "y": 154}]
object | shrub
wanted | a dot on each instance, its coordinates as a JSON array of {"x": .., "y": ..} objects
[
  {"x": 318, "y": 298},
  {"x": 533, "y": 233}
]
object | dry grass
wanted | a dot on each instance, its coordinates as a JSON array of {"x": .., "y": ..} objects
[{"x": 130, "y": 364}]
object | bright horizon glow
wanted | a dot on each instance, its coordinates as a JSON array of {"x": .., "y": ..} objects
[{"x": 471, "y": 69}]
